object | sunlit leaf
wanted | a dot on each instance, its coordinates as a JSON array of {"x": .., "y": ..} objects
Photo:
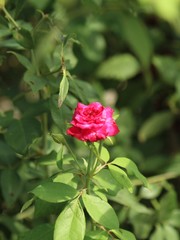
[
  {"x": 54, "y": 192},
  {"x": 104, "y": 155},
  {"x": 121, "y": 177},
  {"x": 96, "y": 234},
  {"x": 100, "y": 211},
  {"x": 123, "y": 234},
  {"x": 130, "y": 167},
  {"x": 104, "y": 180},
  {"x": 70, "y": 224}
]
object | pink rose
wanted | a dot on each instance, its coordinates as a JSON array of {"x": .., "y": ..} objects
[{"x": 92, "y": 122}]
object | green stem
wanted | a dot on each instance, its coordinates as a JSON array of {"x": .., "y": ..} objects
[
  {"x": 8, "y": 16},
  {"x": 98, "y": 156},
  {"x": 89, "y": 169},
  {"x": 158, "y": 178}
]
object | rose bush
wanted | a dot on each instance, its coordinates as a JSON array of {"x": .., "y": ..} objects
[{"x": 92, "y": 122}]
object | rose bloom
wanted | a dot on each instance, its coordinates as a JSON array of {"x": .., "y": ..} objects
[{"x": 92, "y": 122}]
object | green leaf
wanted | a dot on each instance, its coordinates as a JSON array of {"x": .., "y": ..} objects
[
  {"x": 119, "y": 67},
  {"x": 100, "y": 211},
  {"x": 168, "y": 203},
  {"x": 63, "y": 90},
  {"x": 44, "y": 209},
  {"x": 49, "y": 159},
  {"x": 104, "y": 179},
  {"x": 6, "y": 118},
  {"x": 27, "y": 204},
  {"x": 11, "y": 43},
  {"x": 54, "y": 192},
  {"x": 7, "y": 155},
  {"x": 168, "y": 10},
  {"x": 174, "y": 218},
  {"x": 155, "y": 125},
  {"x": 41, "y": 232},
  {"x": 22, "y": 59},
  {"x": 104, "y": 155},
  {"x": 58, "y": 138},
  {"x": 158, "y": 234},
  {"x": 170, "y": 233},
  {"x": 24, "y": 38},
  {"x": 19, "y": 6},
  {"x": 70, "y": 224},
  {"x": 123, "y": 234},
  {"x": 142, "y": 221},
  {"x": 166, "y": 62},
  {"x": 61, "y": 116},
  {"x": 130, "y": 167},
  {"x": 153, "y": 191},
  {"x": 35, "y": 82},
  {"x": 124, "y": 197},
  {"x": 136, "y": 35},
  {"x": 121, "y": 177},
  {"x": 25, "y": 130},
  {"x": 39, "y": 4},
  {"x": 11, "y": 186},
  {"x": 64, "y": 178},
  {"x": 12, "y": 224},
  {"x": 96, "y": 234}
]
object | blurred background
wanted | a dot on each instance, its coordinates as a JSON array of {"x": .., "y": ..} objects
[{"x": 125, "y": 54}]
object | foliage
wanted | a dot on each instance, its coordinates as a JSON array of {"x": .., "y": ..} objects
[{"x": 57, "y": 53}]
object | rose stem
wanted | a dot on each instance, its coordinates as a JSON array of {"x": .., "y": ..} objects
[
  {"x": 90, "y": 164},
  {"x": 98, "y": 156}
]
